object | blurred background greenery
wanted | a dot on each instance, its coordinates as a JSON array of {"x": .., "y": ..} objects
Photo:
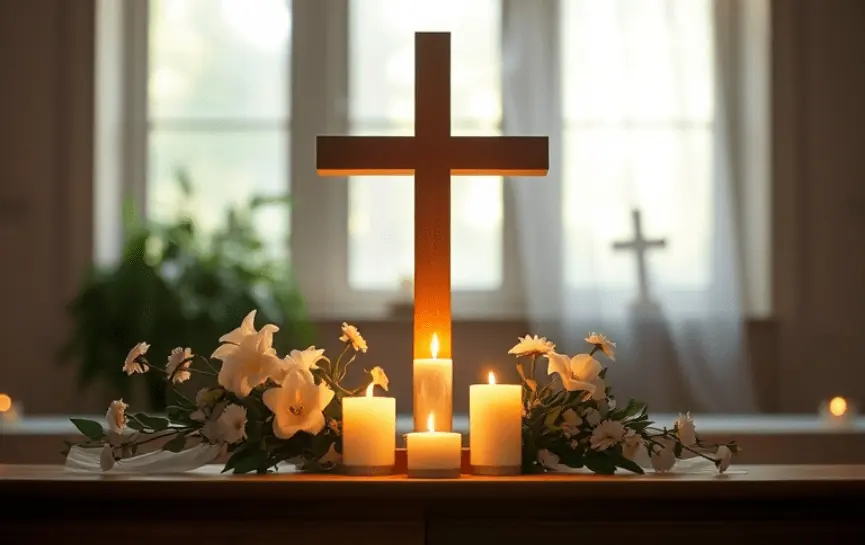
[{"x": 176, "y": 285}]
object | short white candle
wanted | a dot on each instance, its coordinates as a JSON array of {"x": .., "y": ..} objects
[
  {"x": 495, "y": 420},
  {"x": 433, "y": 389},
  {"x": 368, "y": 434},
  {"x": 838, "y": 412},
  {"x": 432, "y": 454}
]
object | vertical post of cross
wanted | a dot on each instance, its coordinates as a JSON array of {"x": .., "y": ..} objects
[{"x": 432, "y": 281}]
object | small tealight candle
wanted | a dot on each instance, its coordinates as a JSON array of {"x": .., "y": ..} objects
[
  {"x": 837, "y": 412},
  {"x": 433, "y": 454},
  {"x": 368, "y": 434},
  {"x": 495, "y": 420}
]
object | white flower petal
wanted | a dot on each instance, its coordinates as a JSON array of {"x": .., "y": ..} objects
[{"x": 585, "y": 367}]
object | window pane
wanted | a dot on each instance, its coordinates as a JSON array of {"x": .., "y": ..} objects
[
  {"x": 219, "y": 58},
  {"x": 637, "y": 59},
  {"x": 381, "y": 56},
  {"x": 667, "y": 173},
  {"x": 225, "y": 169},
  {"x": 638, "y": 84},
  {"x": 381, "y": 210}
]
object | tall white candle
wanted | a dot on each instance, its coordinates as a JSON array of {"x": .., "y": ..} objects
[
  {"x": 433, "y": 389},
  {"x": 368, "y": 434},
  {"x": 495, "y": 421},
  {"x": 433, "y": 454}
]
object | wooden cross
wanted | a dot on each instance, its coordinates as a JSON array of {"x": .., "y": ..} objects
[
  {"x": 432, "y": 155},
  {"x": 640, "y": 245}
]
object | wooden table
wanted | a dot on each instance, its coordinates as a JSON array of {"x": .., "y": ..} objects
[{"x": 765, "y": 504}]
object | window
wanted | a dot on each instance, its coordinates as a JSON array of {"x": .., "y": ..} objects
[
  {"x": 638, "y": 87},
  {"x": 218, "y": 105},
  {"x": 638, "y": 104},
  {"x": 381, "y": 102}
]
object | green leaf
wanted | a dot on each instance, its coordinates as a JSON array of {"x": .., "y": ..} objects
[
  {"x": 175, "y": 445},
  {"x": 551, "y": 417},
  {"x": 261, "y": 200},
  {"x": 184, "y": 181},
  {"x": 90, "y": 428},
  {"x": 256, "y": 460},
  {"x": 236, "y": 455},
  {"x": 134, "y": 424},
  {"x": 629, "y": 465},
  {"x": 321, "y": 444},
  {"x": 640, "y": 426},
  {"x": 154, "y": 422},
  {"x": 600, "y": 463}
]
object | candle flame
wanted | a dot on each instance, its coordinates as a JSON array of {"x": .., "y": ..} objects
[
  {"x": 369, "y": 389},
  {"x": 838, "y": 406},
  {"x": 431, "y": 422},
  {"x": 5, "y": 403},
  {"x": 434, "y": 346},
  {"x": 492, "y": 378}
]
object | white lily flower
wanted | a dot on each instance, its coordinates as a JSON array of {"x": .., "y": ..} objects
[
  {"x": 231, "y": 340},
  {"x": 582, "y": 372},
  {"x": 297, "y": 405},
  {"x": 251, "y": 363}
]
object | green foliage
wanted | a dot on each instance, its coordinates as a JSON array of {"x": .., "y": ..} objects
[
  {"x": 176, "y": 444},
  {"x": 176, "y": 285},
  {"x": 89, "y": 428},
  {"x": 567, "y": 438}
]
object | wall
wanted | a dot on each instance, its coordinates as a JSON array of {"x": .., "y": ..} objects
[
  {"x": 46, "y": 81},
  {"x": 819, "y": 198}
]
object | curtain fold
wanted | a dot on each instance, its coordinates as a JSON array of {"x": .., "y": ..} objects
[{"x": 641, "y": 130}]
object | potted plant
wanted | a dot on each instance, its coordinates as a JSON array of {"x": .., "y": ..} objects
[{"x": 176, "y": 284}]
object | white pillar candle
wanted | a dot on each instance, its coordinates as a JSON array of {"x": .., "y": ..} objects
[
  {"x": 433, "y": 454},
  {"x": 433, "y": 389},
  {"x": 368, "y": 434},
  {"x": 496, "y": 421}
]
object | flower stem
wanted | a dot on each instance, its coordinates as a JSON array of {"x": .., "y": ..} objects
[
  {"x": 345, "y": 367},
  {"x": 208, "y": 364},
  {"x": 334, "y": 385},
  {"x": 335, "y": 371}
]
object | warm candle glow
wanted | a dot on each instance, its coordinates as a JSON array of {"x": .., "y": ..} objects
[
  {"x": 434, "y": 346},
  {"x": 369, "y": 389},
  {"x": 431, "y": 423},
  {"x": 492, "y": 378},
  {"x": 5, "y": 403},
  {"x": 838, "y": 406}
]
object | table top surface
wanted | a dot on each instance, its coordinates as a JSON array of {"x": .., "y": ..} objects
[{"x": 763, "y": 481}]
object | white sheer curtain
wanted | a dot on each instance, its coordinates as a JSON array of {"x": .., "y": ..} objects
[{"x": 635, "y": 96}]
